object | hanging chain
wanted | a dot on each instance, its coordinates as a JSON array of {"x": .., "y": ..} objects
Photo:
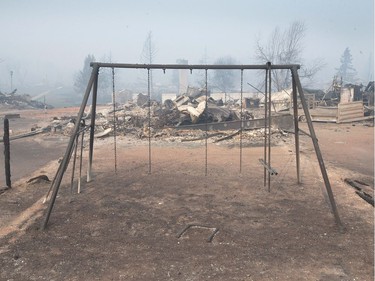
[
  {"x": 114, "y": 117},
  {"x": 206, "y": 121},
  {"x": 242, "y": 120},
  {"x": 149, "y": 119}
]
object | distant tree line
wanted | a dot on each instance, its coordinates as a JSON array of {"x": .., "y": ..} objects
[
  {"x": 282, "y": 47},
  {"x": 104, "y": 80}
]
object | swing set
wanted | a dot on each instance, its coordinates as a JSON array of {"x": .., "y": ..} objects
[{"x": 92, "y": 88}]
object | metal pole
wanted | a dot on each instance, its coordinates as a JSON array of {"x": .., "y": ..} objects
[
  {"x": 7, "y": 153},
  {"x": 265, "y": 125},
  {"x": 206, "y": 124},
  {"x": 80, "y": 164},
  {"x": 65, "y": 161},
  {"x": 59, "y": 170},
  {"x": 317, "y": 150},
  {"x": 269, "y": 126},
  {"x": 242, "y": 120},
  {"x": 95, "y": 72},
  {"x": 296, "y": 127},
  {"x": 114, "y": 118},
  {"x": 149, "y": 120},
  {"x": 193, "y": 66},
  {"x": 74, "y": 166}
]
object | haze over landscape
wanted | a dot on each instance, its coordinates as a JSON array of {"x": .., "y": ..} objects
[
  {"x": 44, "y": 43},
  {"x": 161, "y": 173}
]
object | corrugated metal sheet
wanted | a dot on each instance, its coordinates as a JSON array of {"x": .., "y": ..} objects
[
  {"x": 324, "y": 114},
  {"x": 348, "y": 112}
]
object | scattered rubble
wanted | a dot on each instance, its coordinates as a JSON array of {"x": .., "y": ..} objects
[
  {"x": 192, "y": 108},
  {"x": 170, "y": 121},
  {"x": 188, "y": 116},
  {"x": 135, "y": 118},
  {"x": 38, "y": 179},
  {"x": 362, "y": 189},
  {"x": 14, "y": 101}
]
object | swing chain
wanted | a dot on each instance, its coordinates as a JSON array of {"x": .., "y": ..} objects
[
  {"x": 114, "y": 116},
  {"x": 149, "y": 78},
  {"x": 206, "y": 122},
  {"x": 242, "y": 119}
]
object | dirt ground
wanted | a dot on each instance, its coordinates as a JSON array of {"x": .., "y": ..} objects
[{"x": 132, "y": 224}]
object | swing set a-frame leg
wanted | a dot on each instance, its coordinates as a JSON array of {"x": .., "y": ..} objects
[
  {"x": 92, "y": 123},
  {"x": 69, "y": 150},
  {"x": 323, "y": 170}
]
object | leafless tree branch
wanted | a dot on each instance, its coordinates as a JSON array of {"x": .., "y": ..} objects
[{"x": 285, "y": 47}]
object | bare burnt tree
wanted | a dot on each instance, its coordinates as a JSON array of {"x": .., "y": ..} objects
[
  {"x": 286, "y": 47},
  {"x": 223, "y": 79},
  {"x": 148, "y": 55}
]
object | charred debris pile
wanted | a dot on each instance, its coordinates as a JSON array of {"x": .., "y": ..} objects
[
  {"x": 14, "y": 101},
  {"x": 183, "y": 119},
  {"x": 190, "y": 115}
]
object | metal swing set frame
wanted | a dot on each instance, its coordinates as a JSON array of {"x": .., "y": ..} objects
[{"x": 297, "y": 91}]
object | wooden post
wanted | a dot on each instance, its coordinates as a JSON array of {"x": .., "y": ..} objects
[{"x": 7, "y": 152}]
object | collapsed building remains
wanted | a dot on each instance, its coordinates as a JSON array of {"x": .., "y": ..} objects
[{"x": 14, "y": 101}]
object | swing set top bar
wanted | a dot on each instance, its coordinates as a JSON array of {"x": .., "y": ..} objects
[{"x": 195, "y": 66}]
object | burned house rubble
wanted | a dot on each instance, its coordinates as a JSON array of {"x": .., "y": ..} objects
[
  {"x": 189, "y": 117},
  {"x": 14, "y": 101},
  {"x": 338, "y": 93},
  {"x": 187, "y": 109},
  {"x": 185, "y": 118},
  {"x": 343, "y": 103}
]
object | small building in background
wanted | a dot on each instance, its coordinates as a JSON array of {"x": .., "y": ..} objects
[{"x": 182, "y": 77}]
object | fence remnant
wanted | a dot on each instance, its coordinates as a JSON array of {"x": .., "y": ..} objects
[{"x": 7, "y": 153}]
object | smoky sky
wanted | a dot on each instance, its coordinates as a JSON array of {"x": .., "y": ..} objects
[{"x": 47, "y": 40}]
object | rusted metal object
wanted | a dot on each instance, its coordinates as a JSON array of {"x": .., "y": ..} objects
[
  {"x": 215, "y": 230},
  {"x": 271, "y": 171}
]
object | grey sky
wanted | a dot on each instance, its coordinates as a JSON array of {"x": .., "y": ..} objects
[{"x": 48, "y": 40}]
